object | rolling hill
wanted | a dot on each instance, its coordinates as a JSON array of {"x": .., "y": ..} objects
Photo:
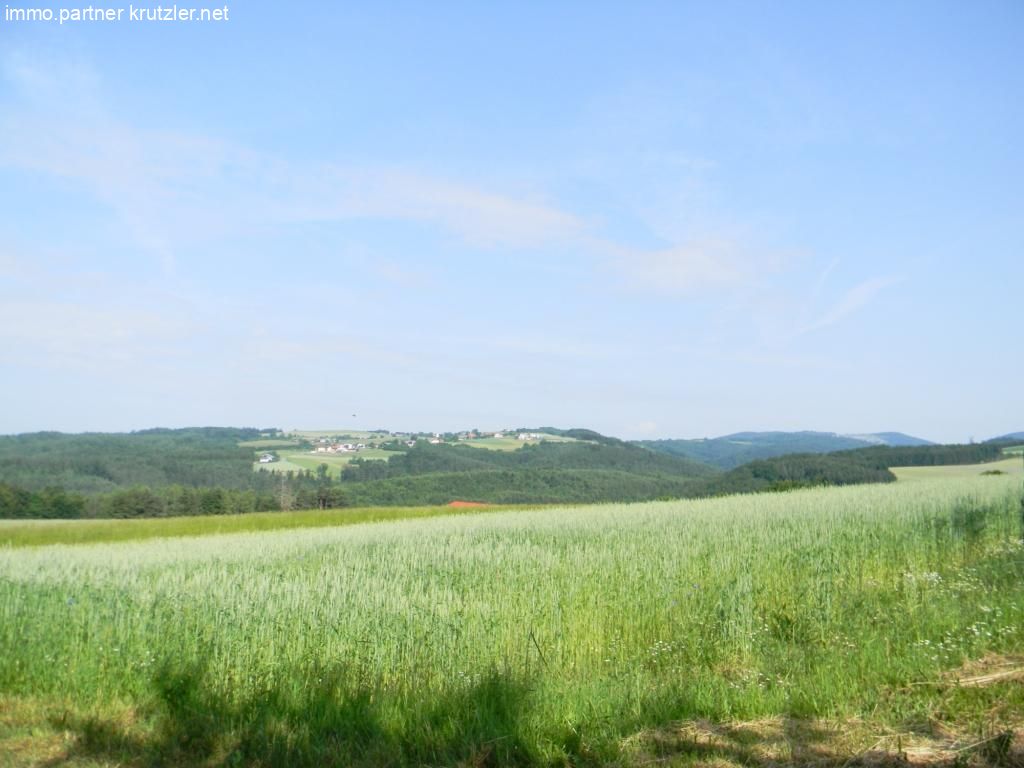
[
  {"x": 734, "y": 450},
  {"x": 591, "y": 468}
]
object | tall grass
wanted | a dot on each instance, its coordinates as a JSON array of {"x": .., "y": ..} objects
[{"x": 522, "y": 637}]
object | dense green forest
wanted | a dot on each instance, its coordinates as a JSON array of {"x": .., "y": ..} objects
[
  {"x": 159, "y": 473},
  {"x": 536, "y": 486},
  {"x": 97, "y": 462},
  {"x": 799, "y": 470},
  {"x": 267, "y": 492},
  {"x": 18, "y": 502},
  {"x": 608, "y": 454},
  {"x": 930, "y": 455}
]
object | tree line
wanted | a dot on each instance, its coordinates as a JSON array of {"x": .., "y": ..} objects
[
  {"x": 97, "y": 463},
  {"x": 303, "y": 490}
]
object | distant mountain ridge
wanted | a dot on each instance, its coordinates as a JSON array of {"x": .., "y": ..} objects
[
  {"x": 891, "y": 438},
  {"x": 730, "y": 451}
]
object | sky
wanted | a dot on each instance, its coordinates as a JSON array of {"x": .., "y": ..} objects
[{"x": 650, "y": 219}]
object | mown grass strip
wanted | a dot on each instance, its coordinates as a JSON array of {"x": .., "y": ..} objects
[{"x": 35, "y": 533}]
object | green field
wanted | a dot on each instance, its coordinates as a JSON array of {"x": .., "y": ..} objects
[
  {"x": 513, "y": 443},
  {"x": 499, "y": 443},
  {"x": 283, "y": 464},
  {"x": 603, "y": 635},
  {"x": 345, "y": 435},
  {"x": 297, "y": 461},
  {"x": 269, "y": 443},
  {"x": 34, "y": 533},
  {"x": 291, "y": 458},
  {"x": 1013, "y": 466}
]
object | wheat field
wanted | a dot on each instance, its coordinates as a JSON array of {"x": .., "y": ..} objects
[{"x": 539, "y": 636}]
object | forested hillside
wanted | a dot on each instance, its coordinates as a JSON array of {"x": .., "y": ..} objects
[
  {"x": 551, "y": 472},
  {"x": 742, "y": 447},
  {"x": 98, "y": 462},
  {"x": 608, "y": 454},
  {"x": 797, "y": 471},
  {"x": 537, "y": 486},
  {"x": 930, "y": 455},
  {"x": 863, "y": 465},
  {"x": 1011, "y": 437}
]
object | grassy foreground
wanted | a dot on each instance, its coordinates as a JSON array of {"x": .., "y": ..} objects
[{"x": 624, "y": 634}]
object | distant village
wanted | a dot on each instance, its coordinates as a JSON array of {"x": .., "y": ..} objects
[{"x": 397, "y": 440}]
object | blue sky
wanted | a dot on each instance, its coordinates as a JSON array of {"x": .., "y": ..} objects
[{"x": 654, "y": 220}]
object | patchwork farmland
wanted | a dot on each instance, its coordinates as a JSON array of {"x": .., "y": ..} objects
[{"x": 297, "y": 452}]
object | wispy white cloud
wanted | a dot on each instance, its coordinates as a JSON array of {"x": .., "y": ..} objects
[
  {"x": 55, "y": 84},
  {"x": 398, "y": 274},
  {"x": 173, "y": 194},
  {"x": 552, "y": 348},
  {"x": 691, "y": 269},
  {"x": 261, "y": 347},
  {"x": 11, "y": 267},
  {"x": 853, "y": 300},
  {"x": 168, "y": 188},
  {"x": 170, "y": 191},
  {"x": 77, "y": 335},
  {"x": 478, "y": 215},
  {"x": 819, "y": 284}
]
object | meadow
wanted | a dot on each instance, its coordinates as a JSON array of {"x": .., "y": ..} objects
[
  {"x": 300, "y": 460},
  {"x": 513, "y": 443},
  {"x": 273, "y": 442},
  {"x": 573, "y": 636},
  {"x": 35, "y": 533},
  {"x": 346, "y": 435},
  {"x": 1007, "y": 466}
]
